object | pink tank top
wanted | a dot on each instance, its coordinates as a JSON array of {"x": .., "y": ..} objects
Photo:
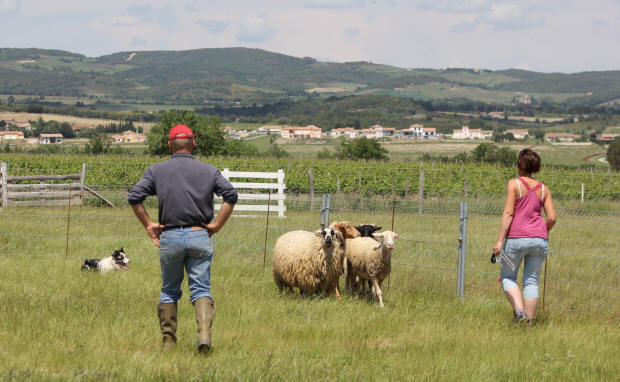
[{"x": 527, "y": 221}]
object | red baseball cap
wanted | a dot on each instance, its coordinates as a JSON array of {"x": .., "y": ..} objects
[{"x": 180, "y": 132}]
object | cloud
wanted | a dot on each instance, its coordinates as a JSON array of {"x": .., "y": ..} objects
[
  {"x": 139, "y": 10},
  {"x": 137, "y": 41},
  {"x": 254, "y": 29},
  {"x": 165, "y": 17},
  {"x": 464, "y": 27},
  {"x": 351, "y": 32},
  {"x": 507, "y": 16},
  {"x": 213, "y": 26},
  {"x": 124, "y": 21},
  {"x": 9, "y": 6},
  {"x": 500, "y": 15},
  {"x": 598, "y": 23},
  {"x": 456, "y": 6},
  {"x": 335, "y": 4}
]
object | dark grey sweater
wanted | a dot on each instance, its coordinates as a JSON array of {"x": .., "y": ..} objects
[{"x": 184, "y": 187}]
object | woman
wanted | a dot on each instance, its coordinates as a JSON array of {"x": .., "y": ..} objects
[{"x": 526, "y": 233}]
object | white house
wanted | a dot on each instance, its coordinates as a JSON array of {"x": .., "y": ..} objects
[
  {"x": 275, "y": 129},
  {"x": 378, "y": 131},
  {"x": 299, "y": 132},
  {"x": 518, "y": 133},
  {"x": 561, "y": 137},
  {"x": 467, "y": 133},
  {"x": 46, "y": 139},
  {"x": 347, "y": 132},
  {"x": 417, "y": 132},
  {"x": 8, "y": 135}
]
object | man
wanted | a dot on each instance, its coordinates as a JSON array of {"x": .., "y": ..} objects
[{"x": 184, "y": 188}]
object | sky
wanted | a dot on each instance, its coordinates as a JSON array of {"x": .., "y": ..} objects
[{"x": 548, "y": 36}]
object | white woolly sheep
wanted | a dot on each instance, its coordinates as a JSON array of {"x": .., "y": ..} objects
[
  {"x": 369, "y": 260},
  {"x": 310, "y": 261}
]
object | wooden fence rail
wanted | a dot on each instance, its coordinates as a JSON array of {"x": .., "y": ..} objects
[
  {"x": 44, "y": 193},
  {"x": 249, "y": 195}
]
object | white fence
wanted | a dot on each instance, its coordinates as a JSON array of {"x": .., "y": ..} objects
[{"x": 273, "y": 200}]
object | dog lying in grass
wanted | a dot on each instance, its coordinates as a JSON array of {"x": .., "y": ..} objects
[{"x": 115, "y": 262}]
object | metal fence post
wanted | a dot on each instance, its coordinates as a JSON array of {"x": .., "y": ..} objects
[
  {"x": 460, "y": 283},
  {"x": 4, "y": 187},
  {"x": 325, "y": 208}
]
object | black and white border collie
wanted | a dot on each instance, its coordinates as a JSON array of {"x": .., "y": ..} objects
[{"x": 117, "y": 261}]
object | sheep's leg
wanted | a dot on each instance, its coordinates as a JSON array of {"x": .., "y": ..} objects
[
  {"x": 377, "y": 291},
  {"x": 337, "y": 290}
]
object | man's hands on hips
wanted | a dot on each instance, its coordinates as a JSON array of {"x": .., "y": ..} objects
[
  {"x": 213, "y": 227},
  {"x": 154, "y": 231}
]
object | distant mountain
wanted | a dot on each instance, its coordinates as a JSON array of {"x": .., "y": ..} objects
[{"x": 206, "y": 76}]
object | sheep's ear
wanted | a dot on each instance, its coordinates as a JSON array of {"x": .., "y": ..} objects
[
  {"x": 376, "y": 227},
  {"x": 377, "y": 235},
  {"x": 318, "y": 233},
  {"x": 396, "y": 236}
]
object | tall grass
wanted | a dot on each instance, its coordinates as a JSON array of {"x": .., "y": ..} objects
[{"x": 58, "y": 323}]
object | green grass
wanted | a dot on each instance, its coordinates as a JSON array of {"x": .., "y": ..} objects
[{"x": 61, "y": 324}]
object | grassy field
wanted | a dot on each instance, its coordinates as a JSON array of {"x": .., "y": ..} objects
[
  {"x": 554, "y": 155},
  {"x": 61, "y": 324},
  {"x": 22, "y": 117},
  {"x": 444, "y": 90}
]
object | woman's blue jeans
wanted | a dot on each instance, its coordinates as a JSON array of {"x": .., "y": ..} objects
[
  {"x": 183, "y": 249},
  {"x": 533, "y": 251}
]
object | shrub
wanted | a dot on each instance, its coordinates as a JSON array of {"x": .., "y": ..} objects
[{"x": 613, "y": 154}]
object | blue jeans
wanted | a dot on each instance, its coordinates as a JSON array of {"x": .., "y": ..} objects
[
  {"x": 180, "y": 249},
  {"x": 533, "y": 251}
]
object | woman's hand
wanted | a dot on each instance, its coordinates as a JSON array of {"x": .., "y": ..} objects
[{"x": 497, "y": 248}]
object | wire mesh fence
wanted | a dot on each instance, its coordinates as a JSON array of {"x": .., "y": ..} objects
[{"x": 583, "y": 266}]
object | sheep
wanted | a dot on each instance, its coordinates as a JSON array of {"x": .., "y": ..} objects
[
  {"x": 366, "y": 230},
  {"x": 310, "y": 261},
  {"x": 347, "y": 229},
  {"x": 369, "y": 260}
]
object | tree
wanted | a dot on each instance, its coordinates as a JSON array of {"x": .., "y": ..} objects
[
  {"x": 613, "y": 154},
  {"x": 491, "y": 153},
  {"x": 99, "y": 144},
  {"x": 209, "y": 136},
  {"x": 276, "y": 151},
  {"x": 362, "y": 148}
]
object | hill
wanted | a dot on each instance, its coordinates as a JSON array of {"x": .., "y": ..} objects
[{"x": 246, "y": 76}]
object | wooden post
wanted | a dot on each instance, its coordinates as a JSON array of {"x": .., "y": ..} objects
[
  {"x": 68, "y": 222},
  {"x": 582, "y": 193},
  {"x": 311, "y": 187},
  {"x": 466, "y": 187},
  {"x": 280, "y": 193},
  {"x": 83, "y": 178},
  {"x": 267, "y": 229},
  {"x": 406, "y": 189},
  {"x": 3, "y": 186},
  {"x": 421, "y": 193}
]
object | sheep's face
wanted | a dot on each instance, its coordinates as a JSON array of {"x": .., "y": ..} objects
[
  {"x": 387, "y": 238},
  {"x": 367, "y": 229},
  {"x": 347, "y": 229},
  {"x": 327, "y": 234}
]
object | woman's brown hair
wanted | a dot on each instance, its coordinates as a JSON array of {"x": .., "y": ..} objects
[{"x": 528, "y": 161}]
